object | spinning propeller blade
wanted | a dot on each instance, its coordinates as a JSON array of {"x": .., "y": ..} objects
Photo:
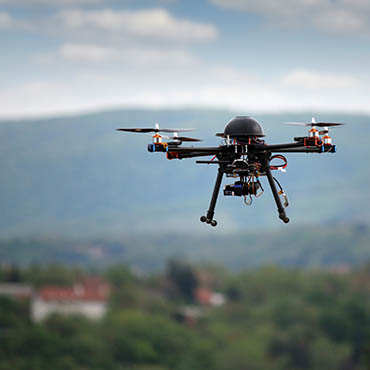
[
  {"x": 327, "y": 129},
  {"x": 313, "y": 123},
  {"x": 140, "y": 130},
  {"x": 185, "y": 138},
  {"x": 176, "y": 137},
  {"x": 154, "y": 129},
  {"x": 176, "y": 129},
  {"x": 317, "y": 124}
]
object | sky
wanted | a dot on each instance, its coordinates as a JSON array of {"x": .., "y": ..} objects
[{"x": 70, "y": 56}]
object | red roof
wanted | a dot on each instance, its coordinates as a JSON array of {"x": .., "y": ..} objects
[
  {"x": 88, "y": 290},
  {"x": 203, "y": 295}
]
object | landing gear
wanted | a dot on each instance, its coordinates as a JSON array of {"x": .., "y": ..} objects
[
  {"x": 211, "y": 211},
  {"x": 208, "y": 221},
  {"x": 270, "y": 178}
]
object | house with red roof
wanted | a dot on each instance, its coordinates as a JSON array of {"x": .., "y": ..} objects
[
  {"x": 205, "y": 296},
  {"x": 89, "y": 298}
]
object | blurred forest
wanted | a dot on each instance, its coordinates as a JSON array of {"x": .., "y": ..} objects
[
  {"x": 309, "y": 246},
  {"x": 273, "y": 318}
]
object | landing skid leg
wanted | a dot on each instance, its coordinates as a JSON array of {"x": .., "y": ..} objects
[
  {"x": 281, "y": 209},
  {"x": 211, "y": 211}
]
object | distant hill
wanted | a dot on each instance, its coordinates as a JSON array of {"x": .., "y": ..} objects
[
  {"x": 78, "y": 176},
  {"x": 339, "y": 247}
]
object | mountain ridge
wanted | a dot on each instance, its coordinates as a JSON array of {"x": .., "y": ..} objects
[{"x": 78, "y": 176}]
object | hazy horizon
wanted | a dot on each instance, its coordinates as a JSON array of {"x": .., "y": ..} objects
[{"x": 117, "y": 108}]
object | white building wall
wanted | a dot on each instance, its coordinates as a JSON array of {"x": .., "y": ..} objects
[{"x": 41, "y": 309}]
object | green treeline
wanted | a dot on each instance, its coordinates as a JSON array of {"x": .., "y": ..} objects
[{"x": 273, "y": 318}]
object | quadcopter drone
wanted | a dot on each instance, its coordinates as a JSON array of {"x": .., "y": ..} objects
[{"x": 244, "y": 156}]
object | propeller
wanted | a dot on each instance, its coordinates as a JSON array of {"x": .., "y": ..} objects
[
  {"x": 156, "y": 129},
  {"x": 176, "y": 137},
  {"x": 326, "y": 130},
  {"x": 313, "y": 123},
  {"x": 184, "y": 138}
]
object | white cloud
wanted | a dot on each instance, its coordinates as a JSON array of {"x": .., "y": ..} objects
[
  {"x": 132, "y": 56},
  {"x": 305, "y": 79},
  {"x": 342, "y": 20},
  {"x": 277, "y": 8},
  {"x": 341, "y": 16},
  {"x": 24, "y": 100},
  {"x": 114, "y": 26},
  {"x": 356, "y": 4},
  {"x": 37, "y": 98},
  {"x": 56, "y": 3},
  {"x": 6, "y": 20},
  {"x": 148, "y": 23},
  {"x": 144, "y": 38},
  {"x": 91, "y": 53},
  {"x": 73, "y": 3},
  {"x": 216, "y": 87}
]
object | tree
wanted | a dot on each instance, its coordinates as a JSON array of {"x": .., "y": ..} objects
[{"x": 183, "y": 276}]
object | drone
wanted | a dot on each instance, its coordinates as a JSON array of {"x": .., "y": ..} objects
[{"x": 244, "y": 156}]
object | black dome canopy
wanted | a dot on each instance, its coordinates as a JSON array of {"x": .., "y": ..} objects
[{"x": 243, "y": 126}]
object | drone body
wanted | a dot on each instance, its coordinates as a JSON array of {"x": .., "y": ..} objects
[{"x": 243, "y": 156}]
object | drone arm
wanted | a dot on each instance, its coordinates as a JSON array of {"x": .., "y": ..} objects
[
  {"x": 277, "y": 147},
  {"x": 307, "y": 149},
  {"x": 297, "y": 147},
  {"x": 211, "y": 150},
  {"x": 192, "y": 154},
  {"x": 298, "y": 150}
]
